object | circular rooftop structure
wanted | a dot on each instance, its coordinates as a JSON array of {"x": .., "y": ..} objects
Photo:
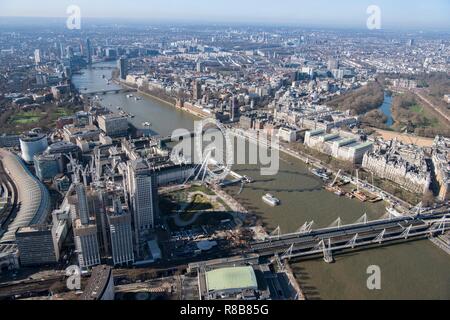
[{"x": 32, "y": 144}]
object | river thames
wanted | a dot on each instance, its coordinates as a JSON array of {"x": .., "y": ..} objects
[{"x": 416, "y": 270}]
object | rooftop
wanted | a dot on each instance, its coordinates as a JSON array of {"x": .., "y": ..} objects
[
  {"x": 33, "y": 196},
  {"x": 231, "y": 278}
]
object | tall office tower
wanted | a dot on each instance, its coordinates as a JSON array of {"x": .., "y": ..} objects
[
  {"x": 121, "y": 234},
  {"x": 86, "y": 244},
  {"x": 333, "y": 64},
  {"x": 100, "y": 52},
  {"x": 234, "y": 109},
  {"x": 98, "y": 202},
  {"x": 82, "y": 204},
  {"x": 69, "y": 52},
  {"x": 82, "y": 48},
  {"x": 37, "y": 57},
  {"x": 199, "y": 66},
  {"x": 122, "y": 64},
  {"x": 143, "y": 196},
  {"x": 62, "y": 51},
  {"x": 88, "y": 51},
  {"x": 197, "y": 90}
]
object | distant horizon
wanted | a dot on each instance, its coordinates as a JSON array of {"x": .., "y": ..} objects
[
  {"x": 395, "y": 15},
  {"x": 186, "y": 22}
]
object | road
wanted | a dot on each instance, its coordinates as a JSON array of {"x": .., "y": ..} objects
[{"x": 405, "y": 138}]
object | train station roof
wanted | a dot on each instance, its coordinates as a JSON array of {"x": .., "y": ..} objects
[{"x": 33, "y": 197}]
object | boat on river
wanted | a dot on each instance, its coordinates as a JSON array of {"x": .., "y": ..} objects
[
  {"x": 271, "y": 200},
  {"x": 321, "y": 173}
]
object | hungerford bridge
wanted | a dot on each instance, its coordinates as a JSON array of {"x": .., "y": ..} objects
[{"x": 307, "y": 243}]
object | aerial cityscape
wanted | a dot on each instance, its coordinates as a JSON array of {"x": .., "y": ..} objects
[{"x": 224, "y": 152}]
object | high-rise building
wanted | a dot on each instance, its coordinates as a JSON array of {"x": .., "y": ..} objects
[
  {"x": 122, "y": 65},
  {"x": 143, "y": 196},
  {"x": 121, "y": 234},
  {"x": 62, "y": 51},
  {"x": 82, "y": 204},
  {"x": 69, "y": 52},
  {"x": 47, "y": 166},
  {"x": 37, "y": 57},
  {"x": 197, "y": 90},
  {"x": 88, "y": 51},
  {"x": 199, "y": 66},
  {"x": 111, "y": 53},
  {"x": 86, "y": 244},
  {"x": 234, "y": 109},
  {"x": 333, "y": 64}
]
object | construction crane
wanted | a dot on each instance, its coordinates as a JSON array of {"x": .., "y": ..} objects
[
  {"x": 358, "y": 194},
  {"x": 336, "y": 178}
]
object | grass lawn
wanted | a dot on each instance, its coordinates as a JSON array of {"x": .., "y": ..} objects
[
  {"x": 430, "y": 120},
  {"x": 61, "y": 112},
  {"x": 31, "y": 117},
  {"x": 27, "y": 117},
  {"x": 416, "y": 109}
]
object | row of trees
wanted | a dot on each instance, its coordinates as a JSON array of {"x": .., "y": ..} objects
[
  {"x": 375, "y": 118},
  {"x": 361, "y": 100}
]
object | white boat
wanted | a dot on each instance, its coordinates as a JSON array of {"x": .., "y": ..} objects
[
  {"x": 321, "y": 173},
  {"x": 146, "y": 124},
  {"x": 271, "y": 200},
  {"x": 130, "y": 96}
]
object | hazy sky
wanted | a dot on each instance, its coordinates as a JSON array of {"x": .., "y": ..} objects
[{"x": 395, "y": 13}]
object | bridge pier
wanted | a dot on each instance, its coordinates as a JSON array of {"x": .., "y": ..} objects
[{"x": 328, "y": 256}]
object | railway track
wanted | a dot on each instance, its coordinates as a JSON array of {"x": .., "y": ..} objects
[{"x": 11, "y": 207}]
